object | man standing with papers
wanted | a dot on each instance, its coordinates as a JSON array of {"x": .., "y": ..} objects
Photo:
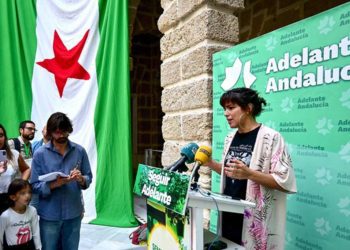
[{"x": 60, "y": 202}]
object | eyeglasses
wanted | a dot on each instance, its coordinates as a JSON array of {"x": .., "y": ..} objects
[{"x": 31, "y": 129}]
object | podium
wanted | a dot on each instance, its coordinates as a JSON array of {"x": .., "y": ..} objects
[
  {"x": 175, "y": 212},
  {"x": 197, "y": 202}
]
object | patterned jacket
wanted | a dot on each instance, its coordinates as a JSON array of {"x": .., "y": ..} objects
[{"x": 264, "y": 225}]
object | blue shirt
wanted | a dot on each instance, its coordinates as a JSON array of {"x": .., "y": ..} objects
[
  {"x": 37, "y": 144},
  {"x": 65, "y": 202}
]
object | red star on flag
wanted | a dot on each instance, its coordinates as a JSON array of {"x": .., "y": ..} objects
[{"x": 65, "y": 63}]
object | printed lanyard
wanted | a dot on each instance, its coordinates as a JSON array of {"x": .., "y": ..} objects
[{"x": 26, "y": 150}]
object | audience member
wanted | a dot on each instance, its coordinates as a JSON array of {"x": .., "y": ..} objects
[
  {"x": 35, "y": 146},
  {"x": 60, "y": 204},
  {"x": 19, "y": 225},
  {"x": 10, "y": 169},
  {"x": 42, "y": 141},
  {"x": 22, "y": 142}
]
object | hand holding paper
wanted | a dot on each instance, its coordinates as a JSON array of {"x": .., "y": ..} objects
[{"x": 52, "y": 176}]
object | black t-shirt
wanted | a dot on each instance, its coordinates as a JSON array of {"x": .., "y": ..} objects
[{"x": 241, "y": 148}]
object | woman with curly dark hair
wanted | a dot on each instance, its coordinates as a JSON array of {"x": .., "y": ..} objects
[{"x": 256, "y": 167}]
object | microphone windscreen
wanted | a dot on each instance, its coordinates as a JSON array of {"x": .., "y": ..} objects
[
  {"x": 203, "y": 154},
  {"x": 189, "y": 151}
]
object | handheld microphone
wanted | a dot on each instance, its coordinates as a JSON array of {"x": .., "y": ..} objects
[
  {"x": 187, "y": 155},
  {"x": 201, "y": 157}
]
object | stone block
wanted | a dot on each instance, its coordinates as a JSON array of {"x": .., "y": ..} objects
[
  {"x": 165, "y": 3},
  {"x": 171, "y": 127},
  {"x": 170, "y": 72},
  {"x": 169, "y": 18},
  {"x": 197, "y": 126},
  {"x": 172, "y": 99},
  {"x": 199, "y": 61},
  {"x": 223, "y": 27},
  {"x": 205, "y": 178},
  {"x": 197, "y": 94},
  {"x": 186, "y": 7},
  {"x": 230, "y": 4},
  {"x": 205, "y": 171},
  {"x": 209, "y": 24},
  {"x": 171, "y": 152}
]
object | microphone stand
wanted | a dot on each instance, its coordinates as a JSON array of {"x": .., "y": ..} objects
[
  {"x": 194, "y": 183},
  {"x": 178, "y": 166}
]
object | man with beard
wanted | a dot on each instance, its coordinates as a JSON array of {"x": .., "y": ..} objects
[
  {"x": 22, "y": 142},
  {"x": 60, "y": 204}
]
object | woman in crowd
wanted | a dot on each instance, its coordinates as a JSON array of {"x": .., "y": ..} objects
[
  {"x": 12, "y": 168},
  {"x": 257, "y": 167}
]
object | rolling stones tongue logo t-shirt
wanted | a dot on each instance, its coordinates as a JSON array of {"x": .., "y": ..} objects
[
  {"x": 23, "y": 235},
  {"x": 17, "y": 227}
]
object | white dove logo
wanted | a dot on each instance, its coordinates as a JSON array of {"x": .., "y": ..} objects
[{"x": 233, "y": 73}]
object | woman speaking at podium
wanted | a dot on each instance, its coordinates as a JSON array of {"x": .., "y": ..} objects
[{"x": 256, "y": 167}]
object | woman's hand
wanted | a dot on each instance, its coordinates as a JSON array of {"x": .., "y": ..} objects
[{"x": 237, "y": 170}]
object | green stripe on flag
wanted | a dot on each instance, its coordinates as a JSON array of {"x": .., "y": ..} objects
[
  {"x": 17, "y": 54},
  {"x": 114, "y": 199}
]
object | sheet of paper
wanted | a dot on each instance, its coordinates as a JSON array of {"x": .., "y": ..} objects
[{"x": 51, "y": 176}]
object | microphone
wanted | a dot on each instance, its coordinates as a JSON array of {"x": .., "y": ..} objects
[
  {"x": 201, "y": 157},
  {"x": 187, "y": 155}
]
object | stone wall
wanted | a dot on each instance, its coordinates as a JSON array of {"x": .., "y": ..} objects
[{"x": 193, "y": 30}]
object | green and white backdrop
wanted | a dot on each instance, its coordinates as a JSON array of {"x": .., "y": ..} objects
[
  {"x": 72, "y": 56},
  {"x": 303, "y": 71}
]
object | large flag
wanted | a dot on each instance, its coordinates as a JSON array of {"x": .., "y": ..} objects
[{"x": 72, "y": 57}]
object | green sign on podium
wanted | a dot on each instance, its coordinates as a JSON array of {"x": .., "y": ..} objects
[{"x": 169, "y": 189}]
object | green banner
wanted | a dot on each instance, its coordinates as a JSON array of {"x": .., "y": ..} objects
[
  {"x": 303, "y": 71},
  {"x": 167, "y": 229},
  {"x": 169, "y": 189}
]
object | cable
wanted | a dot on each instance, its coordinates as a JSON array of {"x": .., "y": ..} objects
[{"x": 206, "y": 193}]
